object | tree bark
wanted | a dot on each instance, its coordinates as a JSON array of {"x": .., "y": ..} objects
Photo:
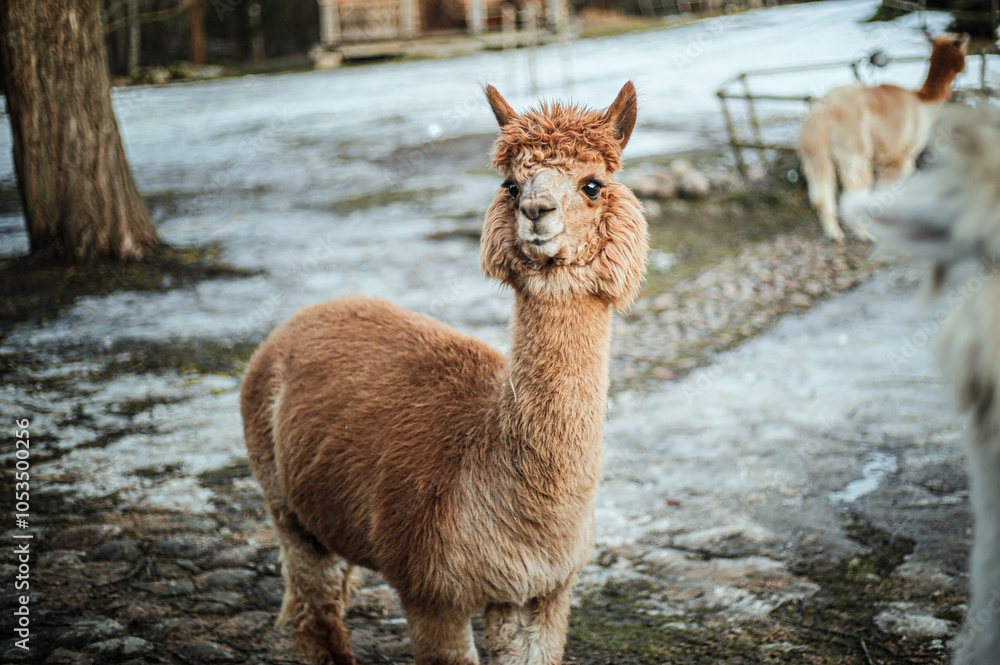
[
  {"x": 196, "y": 18},
  {"x": 80, "y": 201},
  {"x": 134, "y": 35}
]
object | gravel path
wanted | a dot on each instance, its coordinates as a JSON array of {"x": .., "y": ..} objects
[{"x": 673, "y": 332}]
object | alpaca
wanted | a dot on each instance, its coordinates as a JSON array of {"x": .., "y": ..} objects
[
  {"x": 382, "y": 438},
  {"x": 950, "y": 212},
  {"x": 855, "y": 130}
]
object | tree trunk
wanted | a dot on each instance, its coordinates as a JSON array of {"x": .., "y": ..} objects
[
  {"x": 134, "y": 35},
  {"x": 196, "y": 18},
  {"x": 80, "y": 202}
]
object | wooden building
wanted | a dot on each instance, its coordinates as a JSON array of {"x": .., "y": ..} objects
[{"x": 344, "y": 22}]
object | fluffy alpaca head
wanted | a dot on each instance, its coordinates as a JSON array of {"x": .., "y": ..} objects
[
  {"x": 949, "y": 211},
  {"x": 559, "y": 223},
  {"x": 948, "y": 51}
]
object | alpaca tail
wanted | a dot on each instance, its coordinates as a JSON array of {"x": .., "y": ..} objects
[{"x": 820, "y": 172}]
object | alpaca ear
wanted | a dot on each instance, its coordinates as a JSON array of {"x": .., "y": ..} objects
[
  {"x": 621, "y": 114},
  {"x": 963, "y": 42},
  {"x": 501, "y": 109}
]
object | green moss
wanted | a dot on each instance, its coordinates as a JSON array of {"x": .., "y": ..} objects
[
  {"x": 614, "y": 624},
  {"x": 703, "y": 233},
  {"x": 40, "y": 292},
  {"x": 621, "y": 622},
  {"x": 383, "y": 198},
  {"x": 158, "y": 471},
  {"x": 202, "y": 356},
  {"x": 238, "y": 468}
]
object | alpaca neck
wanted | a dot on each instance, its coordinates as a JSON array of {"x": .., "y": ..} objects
[
  {"x": 937, "y": 87},
  {"x": 553, "y": 403}
]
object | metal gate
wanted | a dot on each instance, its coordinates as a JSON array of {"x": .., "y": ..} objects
[{"x": 744, "y": 122}]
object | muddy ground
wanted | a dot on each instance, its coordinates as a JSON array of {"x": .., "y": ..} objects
[
  {"x": 784, "y": 477},
  {"x": 151, "y": 586}
]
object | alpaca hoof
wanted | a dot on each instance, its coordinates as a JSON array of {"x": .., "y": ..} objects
[{"x": 862, "y": 233}]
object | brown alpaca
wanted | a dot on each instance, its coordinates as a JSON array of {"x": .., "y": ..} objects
[
  {"x": 382, "y": 438},
  {"x": 855, "y": 130}
]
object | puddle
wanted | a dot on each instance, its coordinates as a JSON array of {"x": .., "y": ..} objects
[{"x": 877, "y": 467}]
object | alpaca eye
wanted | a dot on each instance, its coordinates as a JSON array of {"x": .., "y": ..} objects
[
  {"x": 593, "y": 189},
  {"x": 512, "y": 190}
]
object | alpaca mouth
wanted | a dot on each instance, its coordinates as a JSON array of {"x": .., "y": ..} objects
[{"x": 540, "y": 246}]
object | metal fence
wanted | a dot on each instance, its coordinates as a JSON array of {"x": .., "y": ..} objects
[{"x": 740, "y": 105}]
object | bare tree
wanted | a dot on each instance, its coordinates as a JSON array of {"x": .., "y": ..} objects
[{"x": 80, "y": 201}]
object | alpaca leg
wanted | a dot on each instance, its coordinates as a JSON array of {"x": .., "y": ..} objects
[
  {"x": 533, "y": 634},
  {"x": 440, "y": 639},
  {"x": 824, "y": 198},
  {"x": 506, "y": 634},
  {"x": 981, "y": 634},
  {"x": 318, "y": 588},
  {"x": 857, "y": 175},
  {"x": 822, "y": 180}
]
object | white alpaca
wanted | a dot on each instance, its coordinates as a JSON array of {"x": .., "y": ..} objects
[{"x": 951, "y": 214}]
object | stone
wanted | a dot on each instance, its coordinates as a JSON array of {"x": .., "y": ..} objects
[
  {"x": 58, "y": 558},
  {"x": 134, "y": 611},
  {"x": 116, "y": 550},
  {"x": 64, "y": 656},
  {"x": 680, "y": 166},
  {"x": 120, "y": 648},
  {"x": 185, "y": 546},
  {"x": 912, "y": 621},
  {"x": 84, "y": 537},
  {"x": 245, "y": 625},
  {"x": 206, "y": 652},
  {"x": 694, "y": 185},
  {"x": 90, "y": 629},
  {"x": 663, "y": 374},
  {"x": 272, "y": 590},
  {"x": 14, "y": 599},
  {"x": 271, "y": 557},
  {"x": 217, "y": 602},
  {"x": 160, "y": 630},
  {"x": 658, "y": 185},
  {"x": 234, "y": 557},
  {"x": 196, "y": 523},
  {"x": 226, "y": 578},
  {"x": 37, "y": 534},
  {"x": 15, "y": 654},
  {"x": 168, "y": 588}
]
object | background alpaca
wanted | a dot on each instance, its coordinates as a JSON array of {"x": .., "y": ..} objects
[
  {"x": 951, "y": 213},
  {"x": 855, "y": 130},
  {"x": 385, "y": 439}
]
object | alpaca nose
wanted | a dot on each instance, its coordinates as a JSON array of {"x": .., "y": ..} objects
[{"x": 536, "y": 206}]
